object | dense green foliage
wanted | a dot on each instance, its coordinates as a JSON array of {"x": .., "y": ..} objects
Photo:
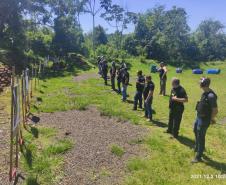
[
  {"x": 165, "y": 35},
  {"x": 33, "y": 29}
]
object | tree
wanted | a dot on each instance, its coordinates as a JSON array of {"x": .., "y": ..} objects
[
  {"x": 118, "y": 18},
  {"x": 100, "y": 36},
  {"x": 68, "y": 36},
  {"x": 164, "y": 34},
  {"x": 93, "y": 10},
  {"x": 79, "y": 6},
  {"x": 13, "y": 25},
  {"x": 211, "y": 40}
]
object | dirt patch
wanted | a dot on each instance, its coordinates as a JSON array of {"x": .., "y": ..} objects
[
  {"x": 91, "y": 160},
  {"x": 85, "y": 76},
  {"x": 4, "y": 146},
  {"x": 223, "y": 121}
]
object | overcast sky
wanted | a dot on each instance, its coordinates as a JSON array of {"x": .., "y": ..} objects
[{"x": 197, "y": 11}]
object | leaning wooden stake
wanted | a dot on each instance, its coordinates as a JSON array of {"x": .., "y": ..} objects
[{"x": 11, "y": 131}]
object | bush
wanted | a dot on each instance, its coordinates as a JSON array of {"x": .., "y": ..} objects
[{"x": 111, "y": 53}]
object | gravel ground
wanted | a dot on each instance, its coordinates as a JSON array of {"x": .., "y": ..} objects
[
  {"x": 91, "y": 162},
  {"x": 4, "y": 146}
]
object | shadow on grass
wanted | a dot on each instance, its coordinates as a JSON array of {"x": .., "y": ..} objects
[
  {"x": 186, "y": 141},
  {"x": 215, "y": 164},
  {"x": 27, "y": 153},
  {"x": 159, "y": 123},
  {"x": 39, "y": 99},
  {"x": 34, "y": 132}
]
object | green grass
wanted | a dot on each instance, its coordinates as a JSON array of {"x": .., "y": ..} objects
[
  {"x": 117, "y": 150},
  {"x": 168, "y": 161},
  {"x": 42, "y": 158}
]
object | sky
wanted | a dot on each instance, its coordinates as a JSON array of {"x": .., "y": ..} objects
[{"x": 197, "y": 11}]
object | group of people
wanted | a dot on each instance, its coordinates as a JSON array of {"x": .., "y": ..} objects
[
  {"x": 206, "y": 108},
  {"x": 121, "y": 74}
]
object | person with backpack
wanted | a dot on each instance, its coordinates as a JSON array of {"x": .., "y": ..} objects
[
  {"x": 125, "y": 83},
  {"x": 176, "y": 105},
  {"x": 148, "y": 97},
  {"x": 105, "y": 71},
  {"x": 207, "y": 110},
  {"x": 140, "y": 83},
  {"x": 113, "y": 74}
]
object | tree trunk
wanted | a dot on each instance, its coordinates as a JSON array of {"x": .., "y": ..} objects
[{"x": 94, "y": 34}]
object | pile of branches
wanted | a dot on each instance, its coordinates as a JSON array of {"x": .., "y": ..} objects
[{"x": 5, "y": 77}]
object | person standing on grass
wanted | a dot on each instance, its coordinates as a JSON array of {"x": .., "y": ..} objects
[
  {"x": 98, "y": 64},
  {"x": 140, "y": 83},
  {"x": 119, "y": 78},
  {"x": 125, "y": 83},
  {"x": 113, "y": 74},
  {"x": 207, "y": 110},
  {"x": 148, "y": 97},
  {"x": 105, "y": 71},
  {"x": 176, "y": 105},
  {"x": 163, "y": 78}
]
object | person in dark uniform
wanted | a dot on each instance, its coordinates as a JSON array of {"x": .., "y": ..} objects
[
  {"x": 140, "y": 83},
  {"x": 176, "y": 105},
  {"x": 125, "y": 83},
  {"x": 113, "y": 74},
  {"x": 119, "y": 78},
  {"x": 163, "y": 78},
  {"x": 206, "y": 112},
  {"x": 98, "y": 64},
  {"x": 105, "y": 71},
  {"x": 148, "y": 97}
]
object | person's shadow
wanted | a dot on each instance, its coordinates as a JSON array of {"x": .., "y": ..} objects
[
  {"x": 215, "y": 164},
  {"x": 159, "y": 123},
  {"x": 186, "y": 141},
  {"x": 208, "y": 161}
]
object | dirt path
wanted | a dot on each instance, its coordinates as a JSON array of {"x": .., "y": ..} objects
[
  {"x": 91, "y": 161},
  {"x": 4, "y": 145},
  {"x": 85, "y": 76}
]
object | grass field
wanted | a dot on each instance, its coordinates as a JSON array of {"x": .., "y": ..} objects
[{"x": 168, "y": 160}]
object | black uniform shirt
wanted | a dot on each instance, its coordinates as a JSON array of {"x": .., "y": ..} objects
[
  {"x": 179, "y": 92},
  {"x": 140, "y": 83},
  {"x": 150, "y": 86}
]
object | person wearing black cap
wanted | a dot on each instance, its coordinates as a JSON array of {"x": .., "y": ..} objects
[
  {"x": 113, "y": 74},
  {"x": 140, "y": 83},
  {"x": 163, "y": 78},
  {"x": 176, "y": 105},
  {"x": 207, "y": 110}
]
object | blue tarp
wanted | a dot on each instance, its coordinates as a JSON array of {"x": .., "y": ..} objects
[
  {"x": 213, "y": 71},
  {"x": 197, "y": 71}
]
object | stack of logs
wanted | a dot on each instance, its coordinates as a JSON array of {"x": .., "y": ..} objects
[{"x": 5, "y": 77}]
